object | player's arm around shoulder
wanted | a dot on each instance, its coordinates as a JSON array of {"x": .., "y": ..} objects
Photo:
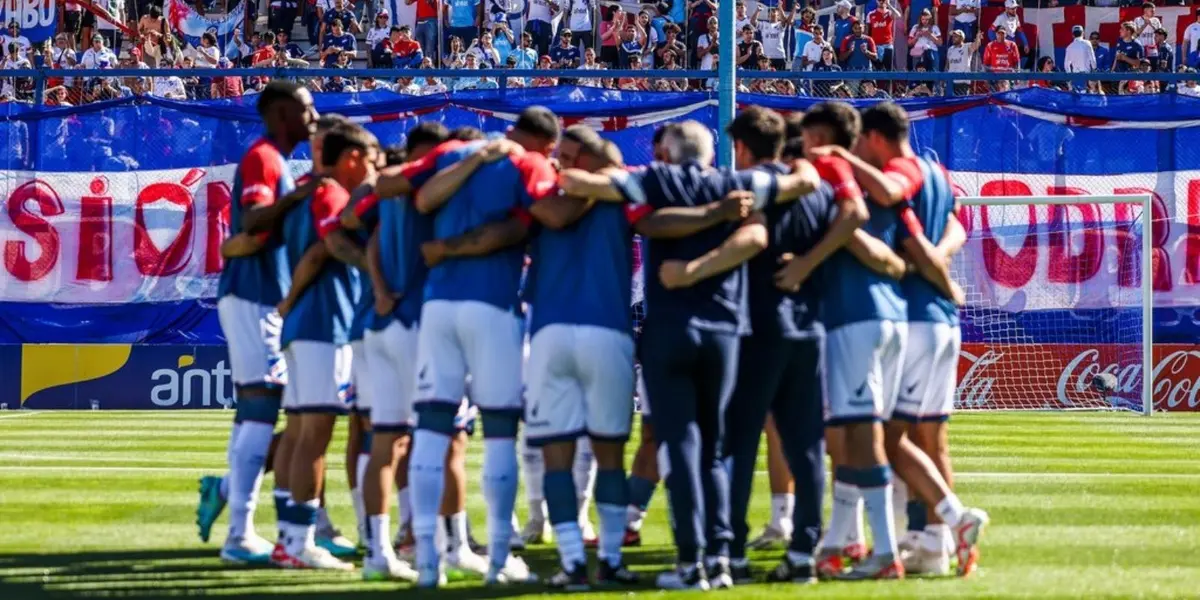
[
  {"x": 437, "y": 191},
  {"x": 743, "y": 244},
  {"x": 605, "y": 185},
  {"x": 559, "y": 211},
  {"x": 848, "y": 215},
  {"x": 242, "y": 244},
  {"x": 674, "y": 222},
  {"x": 876, "y": 255}
]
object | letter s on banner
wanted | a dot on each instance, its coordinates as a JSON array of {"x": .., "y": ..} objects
[{"x": 16, "y": 257}]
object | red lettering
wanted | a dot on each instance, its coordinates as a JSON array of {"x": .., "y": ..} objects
[
  {"x": 149, "y": 258},
  {"x": 1005, "y": 269},
  {"x": 1191, "y": 260},
  {"x": 1064, "y": 266},
  {"x": 217, "y": 225},
  {"x": 95, "y": 262},
  {"x": 1129, "y": 250},
  {"x": 32, "y": 224}
]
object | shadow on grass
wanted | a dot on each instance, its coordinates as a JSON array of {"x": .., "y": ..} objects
[{"x": 174, "y": 572}]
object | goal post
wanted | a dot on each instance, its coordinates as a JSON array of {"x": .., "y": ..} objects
[{"x": 1059, "y": 303}]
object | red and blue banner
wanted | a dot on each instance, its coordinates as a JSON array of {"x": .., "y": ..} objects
[{"x": 38, "y": 19}]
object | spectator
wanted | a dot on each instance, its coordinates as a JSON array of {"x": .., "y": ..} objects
[
  {"x": 406, "y": 52},
  {"x": 671, "y": 44},
  {"x": 18, "y": 87},
  {"x": 1011, "y": 24},
  {"x": 869, "y": 91},
  {"x": 538, "y": 17},
  {"x": 923, "y": 41},
  {"x": 611, "y": 30},
  {"x": 464, "y": 20},
  {"x": 1080, "y": 56},
  {"x": 1103, "y": 56},
  {"x": 920, "y": 89},
  {"x": 208, "y": 55},
  {"x": 634, "y": 84},
  {"x": 1145, "y": 27},
  {"x": 749, "y": 50},
  {"x": 427, "y": 26},
  {"x": 566, "y": 54},
  {"x": 169, "y": 87},
  {"x": 784, "y": 87},
  {"x": 133, "y": 60},
  {"x": 57, "y": 96},
  {"x": 111, "y": 15},
  {"x": 964, "y": 16},
  {"x": 457, "y": 55},
  {"x": 432, "y": 86},
  {"x": 772, "y": 32},
  {"x": 707, "y": 46},
  {"x": 649, "y": 37},
  {"x": 1045, "y": 64},
  {"x": 526, "y": 56},
  {"x": 62, "y": 57},
  {"x": 337, "y": 42},
  {"x": 1001, "y": 55},
  {"x": 14, "y": 37},
  {"x": 843, "y": 21},
  {"x": 882, "y": 23},
  {"x": 370, "y": 84},
  {"x": 288, "y": 48},
  {"x": 960, "y": 58},
  {"x": 378, "y": 33},
  {"x": 98, "y": 56},
  {"x": 741, "y": 19},
  {"x": 545, "y": 63},
  {"x": 1189, "y": 88},
  {"x": 858, "y": 50},
  {"x": 1191, "y": 43},
  {"x": 407, "y": 87},
  {"x": 699, "y": 11},
  {"x": 632, "y": 44},
  {"x": 801, "y": 35},
  {"x": 813, "y": 49},
  {"x": 338, "y": 84},
  {"x": 152, "y": 35},
  {"x": 72, "y": 22},
  {"x": 590, "y": 64},
  {"x": 226, "y": 87},
  {"x": 1129, "y": 52},
  {"x": 257, "y": 85},
  {"x": 1137, "y": 86},
  {"x": 341, "y": 15},
  {"x": 670, "y": 62},
  {"x": 484, "y": 52},
  {"x": 265, "y": 54},
  {"x": 578, "y": 19},
  {"x": 503, "y": 42},
  {"x": 824, "y": 89},
  {"x": 1164, "y": 59},
  {"x": 281, "y": 14}
]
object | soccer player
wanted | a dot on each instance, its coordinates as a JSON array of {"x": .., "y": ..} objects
[
  {"x": 249, "y": 289},
  {"x": 470, "y": 325},
  {"x": 926, "y": 394},
  {"x": 696, "y": 312},
  {"x": 316, "y": 333},
  {"x": 779, "y": 364}
]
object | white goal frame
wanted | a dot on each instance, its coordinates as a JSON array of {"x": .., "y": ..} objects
[{"x": 1147, "y": 274}]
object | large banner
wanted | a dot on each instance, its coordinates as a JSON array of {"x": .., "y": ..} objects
[
  {"x": 38, "y": 18},
  {"x": 191, "y": 25}
]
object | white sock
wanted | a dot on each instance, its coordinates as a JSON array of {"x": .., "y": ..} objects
[
  {"x": 934, "y": 538},
  {"x": 782, "y": 506},
  {"x": 569, "y": 538},
  {"x": 950, "y": 510},
  {"x": 634, "y": 517},
  {"x": 441, "y": 538},
  {"x": 403, "y": 508},
  {"x": 612, "y": 532},
  {"x": 500, "y": 473},
  {"x": 878, "y": 501},
  {"x": 846, "y": 498},
  {"x": 378, "y": 545},
  {"x": 426, "y": 483},
  {"x": 900, "y": 505},
  {"x": 458, "y": 531},
  {"x": 533, "y": 469},
  {"x": 360, "y": 512},
  {"x": 584, "y": 473},
  {"x": 537, "y": 511},
  {"x": 250, "y": 453},
  {"x": 856, "y": 530},
  {"x": 230, "y": 460}
]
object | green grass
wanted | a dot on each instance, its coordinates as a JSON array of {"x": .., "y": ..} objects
[{"x": 1083, "y": 505}]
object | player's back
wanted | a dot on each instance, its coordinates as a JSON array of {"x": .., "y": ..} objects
[
  {"x": 851, "y": 292},
  {"x": 263, "y": 176},
  {"x": 932, "y": 205},
  {"x": 402, "y": 230},
  {"x": 493, "y": 193},
  {"x": 581, "y": 274},
  {"x": 792, "y": 228},
  {"x": 325, "y": 309}
]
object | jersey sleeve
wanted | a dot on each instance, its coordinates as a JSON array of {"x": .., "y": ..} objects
[
  {"x": 763, "y": 184},
  {"x": 327, "y": 204},
  {"x": 637, "y": 212},
  {"x": 839, "y": 175},
  {"x": 906, "y": 171},
  {"x": 538, "y": 181},
  {"x": 632, "y": 183},
  {"x": 419, "y": 171},
  {"x": 261, "y": 170}
]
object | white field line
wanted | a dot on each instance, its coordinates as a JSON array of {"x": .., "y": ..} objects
[{"x": 23, "y": 413}]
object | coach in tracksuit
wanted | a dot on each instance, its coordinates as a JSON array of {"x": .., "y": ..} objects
[{"x": 780, "y": 367}]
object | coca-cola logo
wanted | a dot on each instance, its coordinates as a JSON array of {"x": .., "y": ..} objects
[
  {"x": 975, "y": 387},
  {"x": 1074, "y": 388},
  {"x": 1176, "y": 380}
]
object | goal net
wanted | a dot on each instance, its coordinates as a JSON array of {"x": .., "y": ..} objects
[{"x": 1058, "y": 312}]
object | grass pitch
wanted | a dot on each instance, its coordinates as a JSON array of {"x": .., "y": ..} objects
[{"x": 1083, "y": 505}]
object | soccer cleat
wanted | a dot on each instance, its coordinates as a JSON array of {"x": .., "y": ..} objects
[
  {"x": 920, "y": 561},
  {"x": 250, "y": 550},
  {"x": 911, "y": 540},
  {"x": 312, "y": 558},
  {"x": 720, "y": 575},
  {"x": 740, "y": 570},
  {"x": 608, "y": 575},
  {"x": 966, "y": 534},
  {"x": 430, "y": 578},
  {"x": 831, "y": 563},
  {"x": 279, "y": 555},
  {"x": 388, "y": 568},
  {"x": 683, "y": 577},
  {"x": 856, "y": 552},
  {"x": 515, "y": 571},
  {"x": 537, "y": 532},
  {"x": 574, "y": 580},
  {"x": 335, "y": 543},
  {"x": 882, "y": 566},
  {"x": 463, "y": 559},
  {"x": 789, "y": 572},
  {"x": 772, "y": 537},
  {"x": 632, "y": 538},
  {"x": 210, "y": 506}
]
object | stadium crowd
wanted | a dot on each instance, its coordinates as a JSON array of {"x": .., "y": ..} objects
[{"x": 591, "y": 35}]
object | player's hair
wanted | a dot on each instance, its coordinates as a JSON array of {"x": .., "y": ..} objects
[
  {"x": 839, "y": 117},
  {"x": 886, "y": 119},
  {"x": 539, "y": 122},
  {"x": 426, "y": 132},
  {"x": 586, "y": 137},
  {"x": 689, "y": 141},
  {"x": 611, "y": 154},
  {"x": 794, "y": 125},
  {"x": 394, "y": 155},
  {"x": 792, "y": 149},
  {"x": 329, "y": 121},
  {"x": 348, "y": 136},
  {"x": 276, "y": 91},
  {"x": 467, "y": 134},
  {"x": 761, "y": 130},
  {"x": 660, "y": 132}
]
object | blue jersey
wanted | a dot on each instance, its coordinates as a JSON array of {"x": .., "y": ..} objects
[
  {"x": 719, "y": 303},
  {"x": 582, "y": 274},
  {"x": 402, "y": 230},
  {"x": 366, "y": 299},
  {"x": 325, "y": 309},
  {"x": 932, "y": 204},
  {"x": 1132, "y": 49},
  {"x": 853, "y": 293},
  {"x": 793, "y": 228},
  {"x": 493, "y": 193},
  {"x": 262, "y": 178}
]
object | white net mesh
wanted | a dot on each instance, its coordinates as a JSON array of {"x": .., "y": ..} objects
[{"x": 1054, "y": 306}]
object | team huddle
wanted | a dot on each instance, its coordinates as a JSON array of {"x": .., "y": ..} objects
[{"x": 457, "y": 279}]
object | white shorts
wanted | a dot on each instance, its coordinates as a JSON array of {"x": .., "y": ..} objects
[
  {"x": 580, "y": 382},
  {"x": 930, "y": 376},
  {"x": 320, "y": 377},
  {"x": 392, "y": 355},
  {"x": 252, "y": 334},
  {"x": 862, "y": 371},
  {"x": 460, "y": 338},
  {"x": 642, "y": 405}
]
